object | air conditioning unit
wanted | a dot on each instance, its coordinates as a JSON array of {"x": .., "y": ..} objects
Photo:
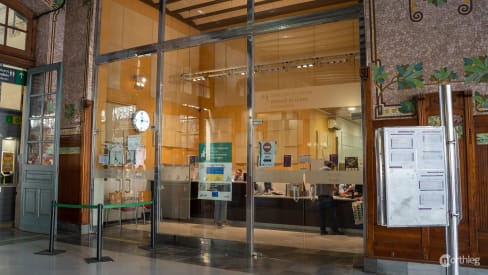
[{"x": 332, "y": 124}]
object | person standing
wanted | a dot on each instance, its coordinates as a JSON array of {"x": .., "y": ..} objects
[
  {"x": 327, "y": 206},
  {"x": 220, "y": 207}
]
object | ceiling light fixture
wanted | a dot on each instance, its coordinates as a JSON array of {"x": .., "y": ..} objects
[{"x": 140, "y": 80}]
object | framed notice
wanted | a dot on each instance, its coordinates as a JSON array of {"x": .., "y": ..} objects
[
  {"x": 215, "y": 171},
  {"x": 7, "y": 162}
]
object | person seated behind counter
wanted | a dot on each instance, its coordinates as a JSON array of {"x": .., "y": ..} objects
[
  {"x": 326, "y": 193},
  {"x": 238, "y": 175}
]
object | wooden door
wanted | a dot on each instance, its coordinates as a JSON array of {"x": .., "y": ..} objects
[{"x": 433, "y": 239}]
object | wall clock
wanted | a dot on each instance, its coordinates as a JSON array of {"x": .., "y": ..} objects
[{"x": 141, "y": 120}]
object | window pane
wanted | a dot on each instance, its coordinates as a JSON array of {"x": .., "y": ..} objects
[
  {"x": 48, "y": 154},
  {"x": 16, "y": 39},
  {"x": 127, "y": 24},
  {"x": 2, "y": 35},
  {"x": 50, "y": 105},
  {"x": 34, "y": 129},
  {"x": 48, "y": 129},
  {"x": 38, "y": 82},
  {"x": 35, "y": 106},
  {"x": 33, "y": 154},
  {"x": 16, "y": 20},
  {"x": 3, "y": 11}
]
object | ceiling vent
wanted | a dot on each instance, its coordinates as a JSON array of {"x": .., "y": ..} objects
[{"x": 332, "y": 124}]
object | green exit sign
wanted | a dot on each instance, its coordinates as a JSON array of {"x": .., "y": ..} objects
[
  {"x": 17, "y": 120},
  {"x": 13, "y": 76}
]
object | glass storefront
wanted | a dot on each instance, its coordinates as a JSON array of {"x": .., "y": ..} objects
[{"x": 306, "y": 110}]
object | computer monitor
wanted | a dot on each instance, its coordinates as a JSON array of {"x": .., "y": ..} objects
[
  {"x": 358, "y": 188},
  {"x": 267, "y": 187}
]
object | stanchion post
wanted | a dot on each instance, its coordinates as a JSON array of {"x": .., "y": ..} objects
[
  {"x": 153, "y": 217},
  {"x": 51, "y": 251},
  {"x": 99, "y": 232},
  {"x": 53, "y": 225},
  {"x": 99, "y": 257}
]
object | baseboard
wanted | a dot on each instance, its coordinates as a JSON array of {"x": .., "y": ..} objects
[{"x": 74, "y": 228}]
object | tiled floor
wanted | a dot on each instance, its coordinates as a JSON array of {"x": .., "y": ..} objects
[{"x": 174, "y": 255}]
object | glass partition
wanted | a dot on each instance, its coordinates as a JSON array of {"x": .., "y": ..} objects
[
  {"x": 127, "y": 24},
  {"x": 124, "y": 147}
]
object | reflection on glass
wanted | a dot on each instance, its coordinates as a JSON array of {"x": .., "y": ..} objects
[
  {"x": 34, "y": 129},
  {"x": 48, "y": 129},
  {"x": 128, "y": 24},
  {"x": 50, "y": 105},
  {"x": 16, "y": 39},
  {"x": 33, "y": 154},
  {"x": 37, "y": 85},
  {"x": 48, "y": 154},
  {"x": 16, "y": 20},
  {"x": 35, "y": 106}
]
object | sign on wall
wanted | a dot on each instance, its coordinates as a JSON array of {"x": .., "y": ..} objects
[
  {"x": 267, "y": 150},
  {"x": 7, "y": 162},
  {"x": 13, "y": 76},
  {"x": 215, "y": 171}
]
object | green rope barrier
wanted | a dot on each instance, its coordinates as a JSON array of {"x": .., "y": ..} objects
[
  {"x": 77, "y": 206},
  {"x": 134, "y": 204},
  {"x": 107, "y": 206}
]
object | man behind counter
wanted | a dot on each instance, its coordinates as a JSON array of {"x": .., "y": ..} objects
[{"x": 326, "y": 193}]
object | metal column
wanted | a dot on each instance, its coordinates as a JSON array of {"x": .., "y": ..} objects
[{"x": 452, "y": 255}]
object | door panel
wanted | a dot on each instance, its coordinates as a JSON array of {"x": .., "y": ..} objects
[{"x": 41, "y": 123}]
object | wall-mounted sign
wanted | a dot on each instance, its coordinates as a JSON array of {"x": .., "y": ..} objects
[
  {"x": 267, "y": 150},
  {"x": 7, "y": 162},
  {"x": 215, "y": 171},
  {"x": 13, "y": 76},
  {"x": 10, "y": 119}
]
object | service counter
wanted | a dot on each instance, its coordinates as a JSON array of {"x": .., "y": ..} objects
[{"x": 273, "y": 209}]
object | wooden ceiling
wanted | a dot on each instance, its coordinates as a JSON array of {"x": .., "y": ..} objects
[{"x": 206, "y": 15}]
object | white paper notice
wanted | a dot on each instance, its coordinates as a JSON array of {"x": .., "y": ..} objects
[{"x": 431, "y": 200}]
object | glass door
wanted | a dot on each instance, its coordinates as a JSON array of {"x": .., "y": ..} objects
[
  {"x": 41, "y": 124},
  {"x": 306, "y": 89},
  {"x": 204, "y": 142}
]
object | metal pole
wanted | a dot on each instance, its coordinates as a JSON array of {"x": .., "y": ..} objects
[
  {"x": 250, "y": 132},
  {"x": 99, "y": 232},
  {"x": 452, "y": 229},
  {"x": 153, "y": 218},
  {"x": 53, "y": 225}
]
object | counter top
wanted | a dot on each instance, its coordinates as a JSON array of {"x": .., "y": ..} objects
[
  {"x": 8, "y": 185},
  {"x": 270, "y": 195}
]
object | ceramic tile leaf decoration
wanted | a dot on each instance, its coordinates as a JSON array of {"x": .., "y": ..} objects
[
  {"x": 410, "y": 76},
  {"x": 457, "y": 121},
  {"x": 379, "y": 75},
  {"x": 408, "y": 106},
  {"x": 56, "y": 3},
  {"x": 437, "y": 3},
  {"x": 482, "y": 139},
  {"x": 379, "y": 78},
  {"x": 476, "y": 69},
  {"x": 481, "y": 102},
  {"x": 443, "y": 76}
]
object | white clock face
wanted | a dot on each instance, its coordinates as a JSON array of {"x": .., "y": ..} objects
[{"x": 141, "y": 121}]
